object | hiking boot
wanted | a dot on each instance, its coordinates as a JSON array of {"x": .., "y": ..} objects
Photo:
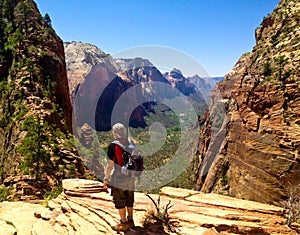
[
  {"x": 131, "y": 224},
  {"x": 121, "y": 227}
]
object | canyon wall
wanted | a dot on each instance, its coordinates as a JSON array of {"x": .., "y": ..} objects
[{"x": 254, "y": 154}]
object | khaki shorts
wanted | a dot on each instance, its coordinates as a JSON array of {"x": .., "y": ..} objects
[
  {"x": 122, "y": 191},
  {"x": 122, "y": 198}
]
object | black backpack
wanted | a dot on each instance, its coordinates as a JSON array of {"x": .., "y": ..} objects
[{"x": 133, "y": 160}]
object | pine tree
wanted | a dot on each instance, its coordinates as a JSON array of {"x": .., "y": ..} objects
[
  {"x": 48, "y": 19},
  {"x": 34, "y": 147}
]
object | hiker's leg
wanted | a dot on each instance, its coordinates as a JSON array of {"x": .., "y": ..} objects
[
  {"x": 119, "y": 199},
  {"x": 122, "y": 213},
  {"x": 123, "y": 225},
  {"x": 129, "y": 203},
  {"x": 130, "y": 217},
  {"x": 129, "y": 212}
]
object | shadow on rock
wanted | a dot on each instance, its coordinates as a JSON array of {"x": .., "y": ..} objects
[{"x": 156, "y": 229}]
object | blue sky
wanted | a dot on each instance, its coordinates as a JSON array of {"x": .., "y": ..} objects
[{"x": 213, "y": 32}]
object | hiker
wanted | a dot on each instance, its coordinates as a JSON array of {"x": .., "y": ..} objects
[{"x": 122, "y": 189}]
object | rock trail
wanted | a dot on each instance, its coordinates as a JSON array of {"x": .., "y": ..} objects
[{"x": 84, "y": 208}]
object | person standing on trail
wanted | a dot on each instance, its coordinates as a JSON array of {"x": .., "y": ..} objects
[{"x": 122, "y": 189}]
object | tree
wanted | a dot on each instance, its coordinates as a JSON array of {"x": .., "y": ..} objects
[
  {"x": 34, "y": 148},
  {"x": 24, "y": 9},
  {"x": 15, "y": 42},
  {"x": 48, "y": 19},
  {"x": 2, "y": 26}
]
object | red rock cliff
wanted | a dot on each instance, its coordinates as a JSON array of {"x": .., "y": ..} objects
[{"x": 257, "y": 157}]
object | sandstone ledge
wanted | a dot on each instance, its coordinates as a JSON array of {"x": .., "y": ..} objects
[{"x": 84, "y": 208}]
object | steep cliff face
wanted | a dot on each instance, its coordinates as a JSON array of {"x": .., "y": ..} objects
[
  {"x": 35, "y": 109},
  {"x": 258, "y": 157}
]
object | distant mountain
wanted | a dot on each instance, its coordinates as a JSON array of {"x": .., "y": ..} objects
[
  {"x": 187, "y": 88},
  {"x": 91, "y": 71},
  {"x": 205, "y": 85},
  {"x": 140, "y": 70},
  {"x": 127, "y": 64},
  {"x": 206, "y": 82},
  {"x": 176, "y": 78}
]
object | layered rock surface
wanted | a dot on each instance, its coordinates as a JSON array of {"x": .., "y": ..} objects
[{"x": 83, "y": 208}]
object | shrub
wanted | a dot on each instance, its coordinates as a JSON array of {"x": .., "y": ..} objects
[
  {"x": 48, "y": 196},
  {"x": 4, "y": 193},
  {"x": 160, "y": 215},
  {"x": 267, "y": 70}
]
